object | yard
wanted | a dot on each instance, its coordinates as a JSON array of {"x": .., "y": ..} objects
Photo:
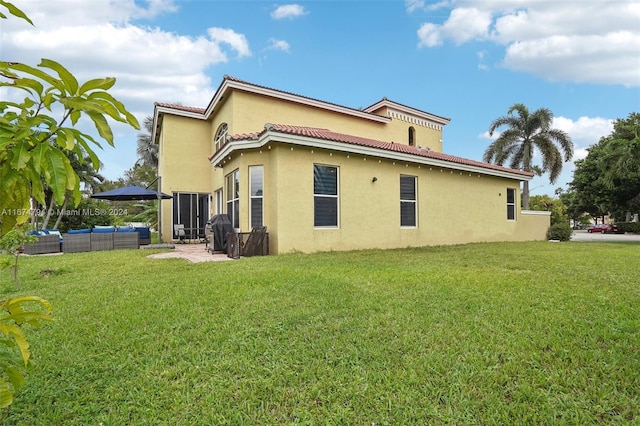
[{"x": 512, "y": 333}]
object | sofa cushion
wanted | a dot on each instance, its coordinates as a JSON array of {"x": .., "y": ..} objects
[
  {"x": 79, "y": 231},
  {"x": 103, "y": 229}
]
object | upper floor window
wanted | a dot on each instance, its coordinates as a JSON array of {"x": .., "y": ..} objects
[
  {"x": 412, "y": 136},
  {"x": 221, "y": 135},
  {"x": 325, "y": 196},
  {"x": 408, "y": 201},
  {"x": 511, "y": 204}
]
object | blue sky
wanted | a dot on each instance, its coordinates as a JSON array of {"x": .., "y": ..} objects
[{"x": 466, "y": 60}]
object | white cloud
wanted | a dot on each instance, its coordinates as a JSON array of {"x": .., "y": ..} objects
[
  {"x": 596, "y": 41},
  {"x": 101, "y": 38},
  {"x": 238, "y": 42},
  {"x": 289, "y": 11},
  {"x": 282, "y": 45},
  {"x": 584, "y": 132}
]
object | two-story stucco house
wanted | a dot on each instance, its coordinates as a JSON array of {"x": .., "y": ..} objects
[{"x": 322, "y": 176}]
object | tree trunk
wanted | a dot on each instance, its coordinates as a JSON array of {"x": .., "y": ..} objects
[
  {"x": 45, "y": 223},
  {"x": 525, "y": 195},
  {"x": 64, "y": 206}
]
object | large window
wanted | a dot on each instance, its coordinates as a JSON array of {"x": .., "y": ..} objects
[
  {"x": 221, "y": 135},
  {"x": 233, "y": 197},
  {"x": 408, "y": 201},
  {"x": 511, "y": 204},
  {"x": 191, "y": 209},
  {"x": 256, "y": 184},
  {"x": 325, "y": 196}
]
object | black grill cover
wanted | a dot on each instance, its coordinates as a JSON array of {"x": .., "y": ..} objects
[{"x": 220, "y": 225}]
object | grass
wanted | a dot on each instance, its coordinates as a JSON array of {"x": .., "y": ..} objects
[{"x": 513, "y": 333}]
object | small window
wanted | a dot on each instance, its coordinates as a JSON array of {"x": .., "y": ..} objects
[
  {"x": 325, "y": 196},
  {"x": 233, "y": 198},
  {"x": 511, "y": 204},
  {"x": 256, "y": 184},
  {"x": 412, "y": 136},
  {"x": 408, "y": 201},
  {"x": 221, "y": 135}
]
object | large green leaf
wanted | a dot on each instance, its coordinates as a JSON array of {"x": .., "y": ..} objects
[
  {"x": 37, "y": 155},
  {"x": 97, "y": 83},
  {"x": 37, "y": 73},
  {"x": 69, "y": 80},
  {"x": 81, "y": 104},
  {"x": 119, "y": 106},
  {"x": 102, "y": 126},
  {"x": 56, "y": 172},
  {"x": 35, "y": 85},
  {"x": 14, "y": 11},
  {"x": 65, "y": 138},
  {"x": 6, "y": 397},
  {"x": 15, "y": 377},
  {"x": 21, "y": 155}
]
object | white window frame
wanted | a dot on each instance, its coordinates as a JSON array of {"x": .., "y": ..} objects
[
  {"x": 232, "y": 187},
  {"x": 511, "y": 206},
  {"x": 255, "y": 198},
  {"x": 219, "y": 200},
  {"x": 336, "y": 196},
  {"x": 413, "y": 201},
  {"x": 221, "y": 136}
]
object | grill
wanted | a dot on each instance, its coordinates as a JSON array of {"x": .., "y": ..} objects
[{"x": 216, "y": 231}]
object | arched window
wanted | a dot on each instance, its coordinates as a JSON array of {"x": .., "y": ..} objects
[
  {"x": 412, "y": 136},
  {"x": 221, "y": 135}
]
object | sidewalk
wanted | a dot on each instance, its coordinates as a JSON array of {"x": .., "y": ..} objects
[{"x": 194, "y": 253}]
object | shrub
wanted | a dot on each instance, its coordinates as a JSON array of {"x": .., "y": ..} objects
[
  {"x": 559, "y": 231},
  {"x": 629, "y": 227}
]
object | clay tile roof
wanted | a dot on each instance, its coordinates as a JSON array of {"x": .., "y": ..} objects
[
  {"x": 326, "y": 134},
  {"x": 181, "y": 107}
]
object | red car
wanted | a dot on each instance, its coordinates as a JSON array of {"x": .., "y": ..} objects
[{"x": 603, "y": 228}]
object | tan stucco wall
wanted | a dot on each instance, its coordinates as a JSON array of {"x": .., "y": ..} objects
[
  {"x": 251, "y": 112},
  {"x": 183, "y": 164},
  {"x": 453, "y": 208}
]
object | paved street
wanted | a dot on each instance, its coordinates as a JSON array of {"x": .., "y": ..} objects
[{"x": 582, "y": 235}]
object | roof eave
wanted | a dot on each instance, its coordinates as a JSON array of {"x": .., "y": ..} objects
[
  {"x": 228, "y": 84},
  {"x": 269, "y": 136}
]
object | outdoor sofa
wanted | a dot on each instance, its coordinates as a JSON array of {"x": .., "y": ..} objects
[{"x": 104, "y": 238}]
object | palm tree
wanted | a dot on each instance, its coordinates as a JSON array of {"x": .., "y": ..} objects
[
  {"x": 147, "y": 150},
  {"x": 526, "y": 133}
]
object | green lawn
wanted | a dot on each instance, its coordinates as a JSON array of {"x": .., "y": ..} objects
[{"x": 512, "y": 333}]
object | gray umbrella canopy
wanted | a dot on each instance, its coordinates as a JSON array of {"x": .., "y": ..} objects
[{"x": 131, "y": 192}]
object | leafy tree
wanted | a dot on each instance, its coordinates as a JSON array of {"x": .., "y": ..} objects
[
  {"x": 29, "y": 162},
  {"x": 525, "y": 133},
  {"x": 147, "y": 150},
  {"x": 12, "y": 244},
  {"x": 554, "y": 205},
  {"x": 33, "y": 156},
  {"x": 16, "y": 356},
  {"x": 607, "y": 180}
]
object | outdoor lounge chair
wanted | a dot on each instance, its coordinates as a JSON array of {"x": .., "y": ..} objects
[
  {"x": 45, "y": 244},
  {"x": 179, "y": 232},
  {"x": 126, "y": 240},
  {"x": 254, "y": 246},
  {"x": 76, "y": 242}
]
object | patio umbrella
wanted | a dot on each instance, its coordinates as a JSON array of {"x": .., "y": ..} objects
[{"x": 131, "y": 192}]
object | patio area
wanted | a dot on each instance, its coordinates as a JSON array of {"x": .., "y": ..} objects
[{"x": 194, "y": 253}]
